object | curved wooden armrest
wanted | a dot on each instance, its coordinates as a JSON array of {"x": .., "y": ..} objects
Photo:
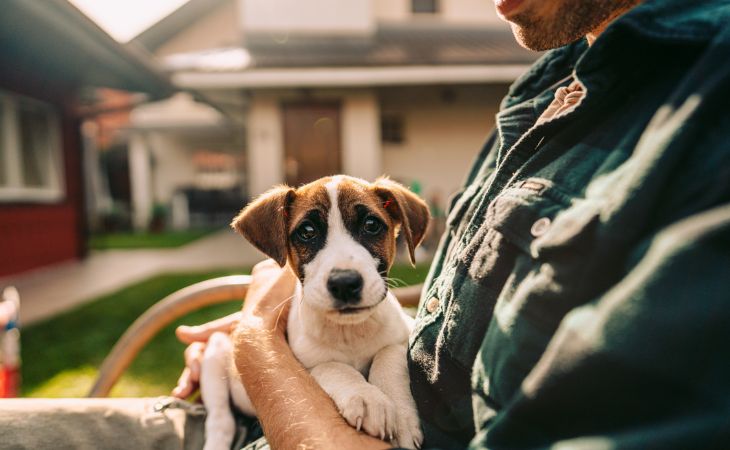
[
  {"x": 161, "y": 314},
  {"x": 176, "y": 305}
]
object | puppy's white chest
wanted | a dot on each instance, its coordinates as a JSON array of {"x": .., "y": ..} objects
[
  {"x": 310, "y": 353},
  {"x": 315, "y": 341}
]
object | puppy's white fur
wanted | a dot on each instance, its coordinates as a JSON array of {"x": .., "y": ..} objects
[{"x": 359, "y": 359}]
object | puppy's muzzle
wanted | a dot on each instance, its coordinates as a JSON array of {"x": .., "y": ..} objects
[{"x": 345, "y": 286}]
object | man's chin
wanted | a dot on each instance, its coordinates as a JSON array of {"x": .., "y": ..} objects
[
  {"x": 535, "y": 37},
  {"x": 546, "y": 25}
]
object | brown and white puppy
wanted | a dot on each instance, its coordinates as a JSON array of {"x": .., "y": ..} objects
[{"x": 338, "y": 236}]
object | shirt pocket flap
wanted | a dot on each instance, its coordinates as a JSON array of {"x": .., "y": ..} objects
[{"x": 524, "y": 213}]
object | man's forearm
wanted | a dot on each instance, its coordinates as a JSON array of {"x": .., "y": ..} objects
[{"x": 294, "y": 411}]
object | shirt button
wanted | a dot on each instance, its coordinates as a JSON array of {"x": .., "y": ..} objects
[
  {"x": 432, "y": 305},
  {"x": 540, "y": 227}
]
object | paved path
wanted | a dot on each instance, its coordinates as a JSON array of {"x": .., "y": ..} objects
[{"x": 49, "y": 291}]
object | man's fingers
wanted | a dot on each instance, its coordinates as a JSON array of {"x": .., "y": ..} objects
[
  {"x": 193, "y": 356},
  {"x": 201, "y": 333},
  {"x": 185, "y": 386},
  {"x": 197, "y": 336},
  {"x": 190, "y": 377}
]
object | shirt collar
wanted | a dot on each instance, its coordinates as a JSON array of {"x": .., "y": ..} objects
[{"x": 662, "y": 22}]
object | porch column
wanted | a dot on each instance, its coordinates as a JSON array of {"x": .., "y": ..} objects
[
  {"x": 362, "y": 155},
  {"x": 265, "y": 145},
  {"x": 140, "y": 179}
]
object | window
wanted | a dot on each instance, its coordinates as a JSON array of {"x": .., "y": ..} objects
[
  {"x": 30, "y": 154},
  {"x": 425, "y": 6},
  {"x": 392, "y": 129}
]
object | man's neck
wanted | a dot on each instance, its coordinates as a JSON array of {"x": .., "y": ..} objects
[{"x": 593, "y": 35}]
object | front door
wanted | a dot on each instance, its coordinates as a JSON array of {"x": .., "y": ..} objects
[{"x": 311, "y": 141}]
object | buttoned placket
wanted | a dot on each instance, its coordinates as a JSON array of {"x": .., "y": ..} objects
[{"x": 509, "y": 167}]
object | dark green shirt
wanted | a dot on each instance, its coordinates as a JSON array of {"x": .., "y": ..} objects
[{"x": 581, "y": 295}]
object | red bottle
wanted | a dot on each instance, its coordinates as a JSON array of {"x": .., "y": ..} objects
[{"x": 9, "y": 344}]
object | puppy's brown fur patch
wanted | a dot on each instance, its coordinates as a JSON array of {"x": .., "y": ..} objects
[
  {"x": 264, "y": 222},
  {"x": 356, "y": 202},
  {"x": 311, "y": 203},
  {"x": 407, "y": 209}
]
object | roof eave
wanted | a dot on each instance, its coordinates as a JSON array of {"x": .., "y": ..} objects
[
  {"x": 133, "y": 67},
  {"x": 331, "y": 77}
]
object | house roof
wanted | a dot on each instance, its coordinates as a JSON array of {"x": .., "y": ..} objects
[
  {"x": 55, "y": 43},
  {"x": 155, "y": 36},
  {"x": 412, "y": 44},
  {"x": 393, "y": 44},
  {"x": 395, "y": 54}
]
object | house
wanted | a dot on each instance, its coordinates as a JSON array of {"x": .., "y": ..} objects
[
  {"x": 407, "y": 88},
  {"x": 52, "y": 59}
]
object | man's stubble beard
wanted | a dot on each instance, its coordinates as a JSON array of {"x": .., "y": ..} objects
[{"x": 571, "y": 20}]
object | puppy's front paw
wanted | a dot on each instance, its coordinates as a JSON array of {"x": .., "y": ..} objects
[
  {"x": 370, "y": 410},
  {"x": 408, "y": 434}
]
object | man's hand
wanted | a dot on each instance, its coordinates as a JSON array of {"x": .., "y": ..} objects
[
  {"x": 266, "y": 308},
  {"x": 196, "y": 337}
]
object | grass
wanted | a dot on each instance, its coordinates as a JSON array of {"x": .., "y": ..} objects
[
  {"x": 130, "y": 240},
  {"x": 61, "y": 355}
]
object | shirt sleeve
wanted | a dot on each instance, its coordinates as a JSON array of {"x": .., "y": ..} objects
[{"x": 647, "y": 365}]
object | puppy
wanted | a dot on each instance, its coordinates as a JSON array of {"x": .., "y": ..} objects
[{"x": 338, "y": 236}]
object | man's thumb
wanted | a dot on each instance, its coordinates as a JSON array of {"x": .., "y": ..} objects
[
  {"x": 187, "y": 334},
  {"x": 200, "y": 333}
]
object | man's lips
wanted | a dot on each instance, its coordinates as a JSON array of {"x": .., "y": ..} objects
[{"x": 506, "y": 7}]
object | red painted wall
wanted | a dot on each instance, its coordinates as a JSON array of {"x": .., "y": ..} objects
[{"x": 34, "y": 235}]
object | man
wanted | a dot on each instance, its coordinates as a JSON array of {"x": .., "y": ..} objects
[{"x": 580, "y": 296}]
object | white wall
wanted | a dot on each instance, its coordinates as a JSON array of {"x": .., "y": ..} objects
[
  {"x": 173, "y": 165},
  {"x": 265, "y": 144},
  {"x": 462, "y": 11},
  {"x": 159, "y": 164},
  {"x": 468, "y": 11},
  {"x": 361, "y": 151},
  {"x": 140, "y": 181},
  {"x": 443, "y": 134},
  {"x": 392, "y": 9},
  {"x": 302, "y": 16}
]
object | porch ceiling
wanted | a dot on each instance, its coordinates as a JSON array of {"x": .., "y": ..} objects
[
  {"x": 52, "y": 43},
  {"x": 392, "y": 44}
]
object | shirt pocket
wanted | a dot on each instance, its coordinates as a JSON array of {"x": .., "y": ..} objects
[
  {"x": 501, "y": 255},
  {"x": 514, "y": 220}
]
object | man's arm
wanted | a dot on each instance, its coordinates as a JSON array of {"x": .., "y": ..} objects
[
  {"x": 293, "y": 410},
  {"x": 645, "y": 366}
]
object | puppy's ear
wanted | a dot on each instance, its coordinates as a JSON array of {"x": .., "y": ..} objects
[
  {"x": 407, "y": 210},
  {"x": 264, "y": 222}
]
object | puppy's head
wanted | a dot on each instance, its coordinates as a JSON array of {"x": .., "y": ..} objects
[{"x": 338, "y": 235}]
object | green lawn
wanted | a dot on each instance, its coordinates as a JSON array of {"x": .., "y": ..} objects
[
  {"x": 62, "y": 354},
  {"x": 165, "y": 239}
]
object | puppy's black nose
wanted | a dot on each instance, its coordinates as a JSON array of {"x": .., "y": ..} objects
[{"x": 345, "y": 285}]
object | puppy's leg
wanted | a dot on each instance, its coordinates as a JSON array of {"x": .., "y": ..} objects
[
  {"x": 389, "y": 372},
  {"x": 220, "y": 426},
  {"x": 360, "y": 403}
]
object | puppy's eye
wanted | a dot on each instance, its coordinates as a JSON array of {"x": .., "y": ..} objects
[
  {"x": 306, "y": 231},
  {"x": 372, "y": 226}
]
